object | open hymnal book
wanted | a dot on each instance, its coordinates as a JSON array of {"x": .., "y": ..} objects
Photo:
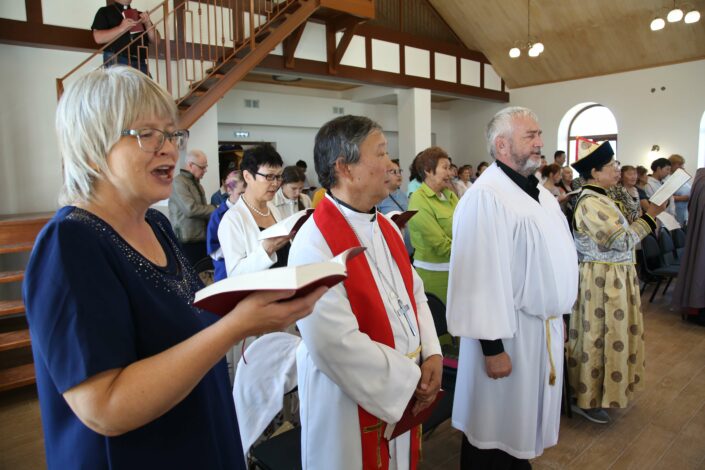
[
  {"x": 672, "y": 184},
  {"x": 409, "y": 420},
  {"x": 286, "y": 227},
  {"x": 401, "y": 218},
  {"x": 222, "y": 296}
]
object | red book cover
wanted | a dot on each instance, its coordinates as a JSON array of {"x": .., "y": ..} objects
[
  {"x": 401, "y": 218},
  {"x": 221, "y": 297},
  {"x": 409, "y": 421},
  {"x": 133, "y": 14}
]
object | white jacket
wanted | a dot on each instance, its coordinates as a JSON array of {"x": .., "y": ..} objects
[
  {"x": 286, "y": 206},
  {"x": 238, "y": 232}
]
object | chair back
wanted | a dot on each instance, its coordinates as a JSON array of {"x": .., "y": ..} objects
[
  {"x": 438, "y": 311},
  {"x": 666, "y": 247},
  {"x": 651, "y": 253},
  {"x": 678, "y": 236}
]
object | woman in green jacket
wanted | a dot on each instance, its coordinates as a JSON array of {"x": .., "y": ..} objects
[{"x": 432, "y": 227}]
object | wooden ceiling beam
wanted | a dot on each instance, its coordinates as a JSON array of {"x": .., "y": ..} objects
[
  {"x": 290, "y": 44},
  {"x": 335, "y": 53}
]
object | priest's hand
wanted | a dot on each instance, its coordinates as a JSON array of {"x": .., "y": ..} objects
[
  {"x": 429, "y": 383},
  {"x": 498, "y": 366}
]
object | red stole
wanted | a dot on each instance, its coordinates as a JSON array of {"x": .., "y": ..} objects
[{"x": 368, "y": 307}]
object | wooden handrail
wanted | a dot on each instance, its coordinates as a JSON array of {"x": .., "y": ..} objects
[{"x": 191, "y": 44}]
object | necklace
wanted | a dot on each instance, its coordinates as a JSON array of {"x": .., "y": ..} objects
[
  {"x": 390, "y": 289},
  {"x": 253, "y": 209}
]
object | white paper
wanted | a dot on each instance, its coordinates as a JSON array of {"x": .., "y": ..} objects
[
  {"x": 670, "y": 186},
  {"x": 284, "y": 227},
  {"x": 668, "y": 221}
]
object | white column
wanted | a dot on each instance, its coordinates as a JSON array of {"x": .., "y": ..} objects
[{"x": 414, "y": 114}]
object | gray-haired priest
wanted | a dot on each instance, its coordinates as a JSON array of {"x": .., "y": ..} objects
[
  {"x": 513, "y": 273},
  {"x": 370, "y": 344}
]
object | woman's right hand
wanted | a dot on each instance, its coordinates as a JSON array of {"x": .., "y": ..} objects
[
  {"x": 271, "y": 245},
  {"x": 268, "y": 311},
  {"x": 655, "y": 210}
]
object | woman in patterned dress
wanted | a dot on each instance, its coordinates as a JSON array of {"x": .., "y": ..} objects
[
  {"x": 606, "y": 336},
  {"x": 626, "y": 195}
]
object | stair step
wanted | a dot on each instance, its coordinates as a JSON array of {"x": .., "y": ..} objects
[
  {"x": 16, "y": 247},
  {"x": 16, "y": 377},
  {"x": 14, "y": 340},
  {"x": 11, "y": 307},
  {"x": 11, "y": 276}
]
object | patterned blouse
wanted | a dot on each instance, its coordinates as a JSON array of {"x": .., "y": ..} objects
[{"x": 628, "y": 204}]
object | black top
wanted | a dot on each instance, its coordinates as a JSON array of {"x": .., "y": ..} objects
[
  {"x": 94, "y": 304},
  {"x": 109, "y": 17},
  {"x": 530, "y": 186}
]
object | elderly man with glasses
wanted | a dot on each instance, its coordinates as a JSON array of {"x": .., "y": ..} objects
[{"x": 189, "y": 210}]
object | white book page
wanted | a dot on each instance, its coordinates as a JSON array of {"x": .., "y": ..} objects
[
  {"x": 672, "y": 184},
  {"x": 283, "y": 227}
]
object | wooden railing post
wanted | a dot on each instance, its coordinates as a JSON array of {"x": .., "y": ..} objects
[{"x": 167, "y": 48}]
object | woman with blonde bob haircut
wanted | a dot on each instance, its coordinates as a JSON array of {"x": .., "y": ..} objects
[{"x": 130, "y": 374}]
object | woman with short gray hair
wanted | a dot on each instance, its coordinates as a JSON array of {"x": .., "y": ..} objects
[{"x": 130, "y": 374}]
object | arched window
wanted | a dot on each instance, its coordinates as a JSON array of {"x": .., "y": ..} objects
[{"x": 593, "y": 122}]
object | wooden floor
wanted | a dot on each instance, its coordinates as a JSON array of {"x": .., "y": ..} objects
[{"x": 664, "y": 428}]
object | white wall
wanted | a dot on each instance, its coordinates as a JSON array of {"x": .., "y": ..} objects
[
  {"x": 30, "y": 166},
  {"x": 669, "y": 118}
]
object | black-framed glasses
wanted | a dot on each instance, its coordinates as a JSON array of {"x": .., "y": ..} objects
[
  {"x": 397, "y": 171},
  {"x": 202, "y": 167},
  {"x": 152, "y": 140},
  {"x": 271, "y": 176}
]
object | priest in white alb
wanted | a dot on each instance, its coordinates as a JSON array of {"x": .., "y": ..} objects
[
  {"x": 370, "y": 344},
  {"x": 513, "y": 274}
]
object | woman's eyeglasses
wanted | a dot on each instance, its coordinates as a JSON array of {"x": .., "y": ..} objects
[
  {"x": 271, "y": 177},
  {"x": 152, "y": 140}
]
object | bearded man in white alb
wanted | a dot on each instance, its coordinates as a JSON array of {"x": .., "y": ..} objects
[{"x": 513, "y": 273}]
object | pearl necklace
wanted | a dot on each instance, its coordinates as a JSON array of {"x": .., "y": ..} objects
[{"x": 261, "y": 214}]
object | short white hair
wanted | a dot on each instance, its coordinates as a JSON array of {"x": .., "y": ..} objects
[
  {"x": 501, "y": 125},
  {"x": 194, "y": 155},
  {"x": 91, "y": 116}
]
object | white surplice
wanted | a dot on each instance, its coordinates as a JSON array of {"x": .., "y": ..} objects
[
  {"x": 340, "y": 367},
  {"x": 513, "y": 265}
]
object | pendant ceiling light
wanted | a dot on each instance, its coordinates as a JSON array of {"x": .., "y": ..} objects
[
  {"x": 674, "y": 15},
  {"x": 532, "y": 46}
]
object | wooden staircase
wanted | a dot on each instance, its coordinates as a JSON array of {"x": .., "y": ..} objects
[
  {"x": 17, "y": 234},
  {"x": 199, "y": 64},
  {"x": 241, "y": 60}
]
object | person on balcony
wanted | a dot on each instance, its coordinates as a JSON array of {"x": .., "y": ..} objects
[{"x": 117, "y": 25}]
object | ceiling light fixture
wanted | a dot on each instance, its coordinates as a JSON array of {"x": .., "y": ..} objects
[
  {"x": 286, "y": 78},
  {"x": 692, "y": 16},
  {"x": 675, "y": 15},
  {"x": 533, "y": 47}
]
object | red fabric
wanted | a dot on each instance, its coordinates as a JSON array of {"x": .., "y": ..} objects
[{"x": 368, "y": 307}]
